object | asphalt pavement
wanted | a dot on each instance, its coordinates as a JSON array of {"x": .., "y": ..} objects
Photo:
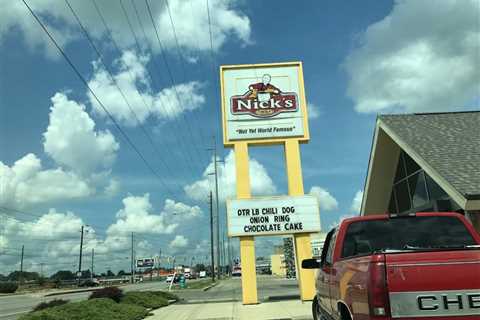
[
  {"x": 12, "y": 307},
  {"x": 270, "y": 288}
]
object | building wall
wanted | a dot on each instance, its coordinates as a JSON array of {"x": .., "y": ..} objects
[
  {"x": 278, "y": 265},
  {"x": 382, "y": 171}
]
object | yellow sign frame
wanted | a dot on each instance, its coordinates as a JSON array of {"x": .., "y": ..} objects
[
  {"x": 303, "y": 103},
  {"x": 303, "y": 249}
]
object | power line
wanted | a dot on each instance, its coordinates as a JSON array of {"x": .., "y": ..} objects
[
  {"x": 182, "y": 62},
  {"x": 178, "y": 129},
  {"x": 171, "y": 75},
  {"x": 214, "y": 63},
  {"x": 117, "y": 47},
  {"x": 83, "y": 80},
  {"x": 112, "y": 79}
]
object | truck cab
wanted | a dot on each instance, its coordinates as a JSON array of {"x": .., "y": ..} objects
[{"x": 414, "y": 266}]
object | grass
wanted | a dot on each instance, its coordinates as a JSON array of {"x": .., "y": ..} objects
[
  {"x": 145, "y": 299},
  {"x": 200, "y": 284},
  {"x": 95, "y": 309},
  {"x": 166, "y": 295}
]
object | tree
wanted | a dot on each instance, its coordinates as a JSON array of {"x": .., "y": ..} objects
[
  {"x": 199, "y": 267},
  {"x": 86, "y": 274},
  {"x": 110, "y": 273},
  {"x": 121, "y": 273},
  {"x": 25, "y": 276},
  {"x": 63, "y": 275}
]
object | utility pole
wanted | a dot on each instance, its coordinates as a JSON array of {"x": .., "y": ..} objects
[
  {"x": 211, "y": 236},
  {"x": 217, "y": 206},
  {"x": 79, "y": 274},
  {"x": 91, "y": 273},
  {"x": 131, "y": 265},
  {"x": 159, "y": 260},
  {"x": 21, "y": 265}
]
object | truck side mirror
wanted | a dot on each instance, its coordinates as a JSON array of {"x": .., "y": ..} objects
[{"x": 310, "y": 264}]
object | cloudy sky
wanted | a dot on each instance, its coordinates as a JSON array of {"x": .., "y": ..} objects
[{"x": 131, "y": 154}]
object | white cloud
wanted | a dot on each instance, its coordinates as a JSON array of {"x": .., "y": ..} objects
[
  {"x": 357, "y": 202},
  {"x": 112, "y": 188},
  {"x": 137, "y": 216},
  {"x": 181, "y": 211},
  {"x": 166, "y": 104},
  {"x": 71, "y": 139},
  {"x": 179, "y": 242},
  {"x": 337, "y": 223},
  {"x": 325, "y": 200},
  {"x": 228, "y": 23},
  {"x": 26, "y": 183},
  {"x": 421, "y": 57},
  {"x": 260, "y": 181},
  {"x": 314, "y": 111}
]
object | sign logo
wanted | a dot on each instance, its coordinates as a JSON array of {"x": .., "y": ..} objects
[{"x": 264, "y": 100}]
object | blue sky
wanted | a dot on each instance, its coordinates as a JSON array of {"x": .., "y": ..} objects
[{"x": 359, "y": 59}]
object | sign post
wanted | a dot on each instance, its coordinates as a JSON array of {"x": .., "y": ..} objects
[{"x": 264, "y": 104}]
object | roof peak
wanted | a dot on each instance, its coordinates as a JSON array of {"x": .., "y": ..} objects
[{"x": 428, "y": 113}]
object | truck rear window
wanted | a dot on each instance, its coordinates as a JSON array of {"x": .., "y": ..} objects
[{"x": 365, "y": 237}]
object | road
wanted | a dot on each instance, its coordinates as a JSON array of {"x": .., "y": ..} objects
[
  {"x": 12, "y": 307},
  {"x": 269, "y": 288}
]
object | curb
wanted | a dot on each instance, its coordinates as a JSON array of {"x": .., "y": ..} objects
[
  {"x": 69, "y": 292},
  {"x": 210, "y": 286},
  {"x": 282, "y": 298}
]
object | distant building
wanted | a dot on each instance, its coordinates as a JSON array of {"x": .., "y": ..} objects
[
  {"x": 278, "y": 266},
  {"x": 317, "y": 240},
  {"x": 425, "y": 162}
]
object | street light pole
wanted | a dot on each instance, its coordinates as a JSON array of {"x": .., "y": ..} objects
[
  {"x": 211, "y": 236},
  {"x": 79, "y": 274},
  {"x": 131, "y": 264},
  {"x": 91, "y": 273}
]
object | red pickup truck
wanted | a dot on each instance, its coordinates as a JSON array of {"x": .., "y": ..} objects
[{"x": 414, "y": 266}]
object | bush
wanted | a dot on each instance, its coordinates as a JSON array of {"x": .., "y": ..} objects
[
  {"x": 145, "y": 299},
  {"x": 166, "y": 295},
  {"x": 96, "y": 309},
  {"x": 50, "y": 304},
  {"x": 113, "y": 293},
  {"x": 8, "y": 287}
]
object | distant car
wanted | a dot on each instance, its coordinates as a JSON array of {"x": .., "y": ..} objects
[
  {"x": 170, "y": 278},
  {"x": 89, "y": 283},
  {"x": 237, "y": 271}
]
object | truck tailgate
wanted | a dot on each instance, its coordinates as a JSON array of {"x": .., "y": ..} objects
[{"x": 434, "y": 284}]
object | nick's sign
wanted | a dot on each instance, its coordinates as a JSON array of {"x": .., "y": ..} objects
[{"x": 264, "y": 100}]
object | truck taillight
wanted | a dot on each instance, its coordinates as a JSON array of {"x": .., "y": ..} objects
[{"x": 377, "y": 291}]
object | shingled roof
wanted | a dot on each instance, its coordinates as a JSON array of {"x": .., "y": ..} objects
[{"x": 448, "y": 142}]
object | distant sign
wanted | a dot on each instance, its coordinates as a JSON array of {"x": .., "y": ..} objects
[
  {"x": 145, "y": 263},
  {"x": 263, "y": 103},
  {"x": 273, "y": 216}
]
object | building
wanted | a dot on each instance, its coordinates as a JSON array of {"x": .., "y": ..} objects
[
  {"x": 425, "y": 162},
  {"x": 317, "y": 240},
  {"x": 278, "y": 266}
]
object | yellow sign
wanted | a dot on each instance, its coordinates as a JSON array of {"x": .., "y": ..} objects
[{"x": 263, "y": 103}]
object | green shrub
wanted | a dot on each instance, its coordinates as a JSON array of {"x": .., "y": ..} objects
[
  {"x": 95, "y": 309},
  {"x": 50, "y": 304},
  {"x": 8, "y": 287},
  {"x": 166, "y": 295},
  {"x": 113, "y": 293},
  {"x": 145, "y": 299}
]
